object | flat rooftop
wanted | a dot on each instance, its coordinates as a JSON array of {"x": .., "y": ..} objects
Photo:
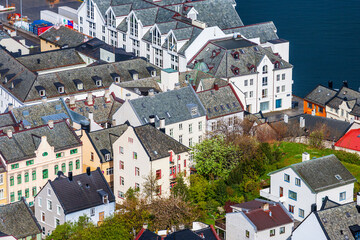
[{"x": 234, "y": 43}]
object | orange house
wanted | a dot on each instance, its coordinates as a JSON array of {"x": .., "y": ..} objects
[{"x": 315, "y": 101}]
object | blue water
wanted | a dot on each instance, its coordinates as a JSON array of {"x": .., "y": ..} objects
[{"x": 324, "y": 38}]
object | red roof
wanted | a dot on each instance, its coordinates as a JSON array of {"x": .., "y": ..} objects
[
  {"x": 274, "y": 217},
  {"x": 351, "y": 140}
]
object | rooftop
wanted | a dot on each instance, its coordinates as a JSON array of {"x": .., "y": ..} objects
[
  {"x": 64, "y": 37},
  {"x": 351, "y": 140},
  {"x": 320, "y": 95}
]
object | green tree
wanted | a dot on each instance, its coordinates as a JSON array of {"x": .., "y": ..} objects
[{"x": 180, "y": 189}]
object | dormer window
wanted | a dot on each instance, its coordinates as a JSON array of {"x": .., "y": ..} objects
[
  {"x": 194, "y": 111},
  {"x": 42, "y": 93},
  {"x": 276, "y": 64},
  {"x": 134, "y": 74},
  {"x": 97, "y": 80},
  {"x": 235, "y": 70},
  {"x": 106, "y": 199},
  {"x": 152, "y": 71},
  {"x": 107, "y": 156},
  {"x": 172, "y": 46},
  {"x": 98, "y": 83},
  {"x": 156, "y": 37},
  {"x": 116, "y": 77},
  {"x": 251, "y": 68},
  {"x": 265, "y": 69},
  {"x": 133, "y": 26},
  {"x": 79, "y": 84},
  {"x": 215, "y": 52},
  {"x": 60, "y": 87},
  {"x": 110, "y": 19},
  {"x": 235, "y": 54}
]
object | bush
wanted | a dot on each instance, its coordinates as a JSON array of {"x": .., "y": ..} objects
[{"x": 348, "y": 157}]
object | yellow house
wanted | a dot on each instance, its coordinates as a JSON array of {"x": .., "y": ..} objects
[
  {"x": 3, "y": 186},
  {"x": 99, "y": 150}
]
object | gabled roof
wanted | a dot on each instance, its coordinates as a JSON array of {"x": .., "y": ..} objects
[
  {"x": 18, "y": 220},
  {"x": 321, "y": 95},
  {"x": 322, "y": 173},
  {"x": 67, "y": 37},
  {"x": 143, "y": 85},
  {"x": 7, "y": 120},
  {"x": 220, "y": 102},
  {"x": 175, "y": 106},
  {"x": 197, "y": 77},
  {"x": 351, "y": 140},
  {"x": 158, "y": 144},
  {"x": 83, "y": 192},
  {"x": 103, "y": 140},
  {"x": 23, "y": 144}
]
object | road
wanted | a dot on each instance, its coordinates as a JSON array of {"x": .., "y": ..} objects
[{"x": 32, "y": 8}]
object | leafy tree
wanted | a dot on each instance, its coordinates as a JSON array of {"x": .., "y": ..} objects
[
  {"x": 180, "y": 189},
  {"x": 151, "y": 185}
]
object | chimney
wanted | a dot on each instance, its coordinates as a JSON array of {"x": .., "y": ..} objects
[
  {"x": 127, "y": 96},
  {"x": 145, "y": 226},
  {"x": 113, "y": 122},
  {"x": 302, "y": 122},
  {"x": 151, "y": 92},
  {"x": 51, "y": 124},
  {"x": 70, "y": 176},
  {"x": 44, "y": 100},
  {"x": 152, "y": 120},
  {"x": 330, "y": 84},
  {"x": 72, "y": 101},
  {"x": 286, "y": 118},
  {"x": 345, "y": 83},
  {"x": 162, "y": 125},
  {"x": 91, "y": 116},
  {"x": 305, "y": 156},
  {"x": 313, "y": 207},
  {"x": 10, "y": 107},
  {"x": 177, "y": 86},
  {"x": 265, "y": 207},
  {"x": 88, "y": 172},
  {"x": 107, "y": 95},
  {"x": 216, "y": 86},
  {"x": 9, "y": 133},
  {"x": 89, "y": 99}
]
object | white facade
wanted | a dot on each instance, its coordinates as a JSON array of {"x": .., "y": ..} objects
[
  {"x": 7, "y": 98},
  {"x": 309, "y": 229},
  {"x": 343, "y": 113}
]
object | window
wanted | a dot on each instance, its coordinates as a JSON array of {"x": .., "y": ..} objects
[
  {"x": 265, "y": 69},
  {"x": 264, "y": 81},
  {"x": 342, "y": 196},
  {"x": 158, "y": 174},
  {"x": 137, "y": 171},
  {"x": 92, "y": 211},
  {"x": 73, "y": 151},
  {"x": 134, "y": 155},
  {"x": 251, "y": 94},
  {"x": 283, "y": 88},
  {"x": 89, "y": 11},
  {"x": 278, "y": 77},
  {"x": 291, "y": 208},
  {"x": 133, "y": 26},
  {"x": 121, "y": 165},
  {"x": 63, "y": 167},
  {"x": 45, "y": 154},
  {"x": 247, "y": 234},
  {"x": 57, "y": 222},
  {"x": 282, "y": 230},
  {"x": 278, "y": 103},
  {"x": 33, "y": 175},
  {"x": 77, "y": 164},
  {"x": 200, "y": 126},
  {"x": 180, "y": 139},
  {"x": 30, "y": 162},
  {"x": 110, "y": 171},
  {"x": 19, "y": 179},
  {"x": 1, "y": 179},
  {"x": 45, "y": 173},
  {"x": 122, "y": 181},
  {"x": 130, "y": 140},
  {"x": 158, "y": 190},
  {"x": 14, "y": 166},
  {"x": 34, "y": 192},
  {"x": 71, "y": 167},
  {"x": 190, "y": 142},
  {"x": 180, "y": 126},
  {"x": 213, "y": 126},
  {"x": 286, "y": 177},
  {"x": 81, "y": 20},
  {"x": 49, "y": 205},
  {"x": 26, "y": 177},
  {"x": 19, "y": 195},
  {"x": 292, "y": 195},
  {"x": 156, "y": 38},
  {"x": 42, "y": 216},
  {"x": 121, "y": 150},
  {"x": 148, "y": 47},
  {"x": 251, "y": 82},
  {"x": 121, "y": 195},
  {"x": 272, "y": 232},
  {"x": 12, "y": 197},
  {"x": 190, "y": 128},
  {"x": 277, "y": 89},
  {"x": 245, "y": 83},
  {"x": 1, "y": 193},
  {"x": 321, "y": 110},
  {"x": 137, "y": 186},
  {"x": 297, "y": 182},
  {"x": 172, "y": 43},
  {"x": 264, "y": 106},
  {"x": 12, "y": 181},
  {"x": 283, "y": 76},
  {"x": 301, "y": 213},
  {"x": 309, "y": 105},
  {"x": 171, "y": 132},
  {"x": 264, "y": 93}
]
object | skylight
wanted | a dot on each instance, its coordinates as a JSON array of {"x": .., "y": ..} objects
[{"x": 338, "y": 177}]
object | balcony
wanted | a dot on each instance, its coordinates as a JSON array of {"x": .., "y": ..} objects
[{"x": 265, "y": 193}]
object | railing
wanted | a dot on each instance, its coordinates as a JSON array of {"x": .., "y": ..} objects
[{"x": 265, "y": 193}]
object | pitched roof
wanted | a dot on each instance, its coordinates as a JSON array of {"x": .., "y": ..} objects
[
  {"x": 351, "y": 140},
  {"x": 143, "y": 85},
  {"x": 145, "y": 234},
  {"x": 320, "y": 95},
  {"x": 23, "y": 144},
  {"x": 103, "y": 140},
  {"x": 175, "y": 106},
  {"x": 220, "y": 102},
  {"x": 18, "y": 220},
  {"x": 185, "y": 234},
  {"x": 67, "y": 37},
  {"x": 156, "y": 143},
  {"x": 83, "y": 192},
  {"x": 197, "y": 77},
  {"x": 6, "y": 120},
  {"x": 322, "y": 173}
]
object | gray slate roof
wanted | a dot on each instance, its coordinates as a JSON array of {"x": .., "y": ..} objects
[
  {"x": 177, "y": 103},
  {"x": 319, "y": 174},
  {"x": 18, "y": 220},
  {"x": 68, "y": 36},
  {"x": 320, "y": 95},
  {"x": 83, "y": 192},
  {"x": 220, "y": 102},
  {"x": 195, "y": 77},
  {"x": 350, "y": 96},
  {"x": 144, "y": 85},
  {"x": 51, "y": 59},
  {"x": 156, "y": 143},
  {"x": 6, "y": 119},
  {"x": 103, "y": 140},
  {"x": 23, "y": 144}
]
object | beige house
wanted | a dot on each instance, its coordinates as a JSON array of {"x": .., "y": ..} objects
[
  {"x": 33, "y": 156},
  {"x": 145, "y": 150}
]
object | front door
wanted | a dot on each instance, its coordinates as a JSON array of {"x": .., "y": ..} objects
[
  {"x": 281, "y": 191},
  {"x": 101, "y": 216}
]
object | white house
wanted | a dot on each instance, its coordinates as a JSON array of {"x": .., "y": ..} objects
[
  {"x": 259, "y": 220},
  {"x": 301, "y": 185},
  {"x": 68, "y": 198},
  {"x": 179, "y": 112},
  {"x": 144, "y": 150},
  {"x": 332, "y": 221}
]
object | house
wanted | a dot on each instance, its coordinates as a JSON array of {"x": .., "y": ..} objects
[
  {"x": 13, "y": 44},
  {"x": 223, "y": 106},
  {"x": 350, "y": 142},
  {"x": 332, "y": 221},
  {"x": 18, "y": 222},
  {"x": 261, "y": 74},
  {"x": 303, "y": 184},
  {"x": 260, "y": 220},
  {"x": 99, "y": 150},
  {"x": 32, "y": 156},
  {"x": 65, "y": 199},
  {"x": 315, "y": 102},
  {"x": 58, "y": 37},
  {"x": 144, "y": 150},
  {"x": 179, "y": 112}
]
